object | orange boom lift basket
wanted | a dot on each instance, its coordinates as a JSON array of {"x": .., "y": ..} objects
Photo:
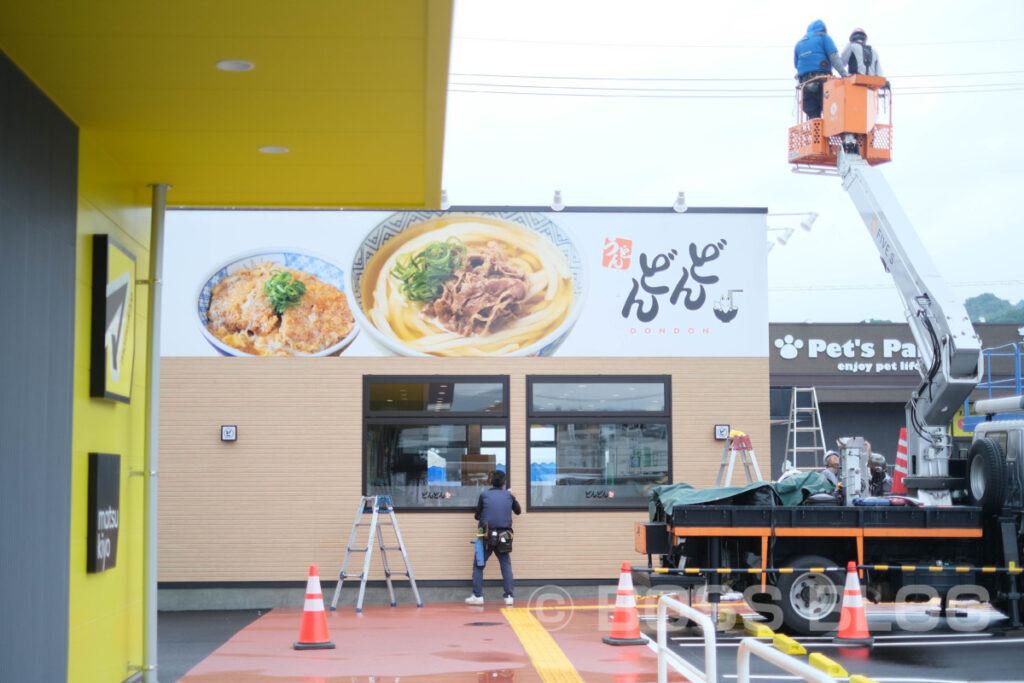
[{"x": 850, "y": 105}]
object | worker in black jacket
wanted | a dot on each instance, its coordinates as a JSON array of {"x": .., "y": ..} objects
[{"x": 494, "y": 511}]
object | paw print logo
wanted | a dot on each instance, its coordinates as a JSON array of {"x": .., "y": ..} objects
[{"x": 789, "y": 347}]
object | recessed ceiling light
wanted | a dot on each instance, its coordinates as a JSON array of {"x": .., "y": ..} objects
[
  {"x": 235, "y": 65},
  {"x": 273, "y": 149}
]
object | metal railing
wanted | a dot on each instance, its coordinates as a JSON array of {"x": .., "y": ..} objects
[
  {"x": 752, "y": 646},
  {"x": 666, "y": 656}
]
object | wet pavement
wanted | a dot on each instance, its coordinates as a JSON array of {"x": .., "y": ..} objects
[
  {"x": 561, "y": 642},
  {"x": 448, "y": 642}
]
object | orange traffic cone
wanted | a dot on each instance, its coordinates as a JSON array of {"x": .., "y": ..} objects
[
  {"x": 626, "y": 620},
  {"x": 313, "y": 634},
  {"x": 900, "y": 470},
  {"x": 853, "y": 622}
]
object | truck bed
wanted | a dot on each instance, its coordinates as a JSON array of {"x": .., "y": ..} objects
[{"x": 685, "y": 517}]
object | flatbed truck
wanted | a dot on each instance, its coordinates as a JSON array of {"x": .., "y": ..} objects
[{"x": 959, "y": 532}]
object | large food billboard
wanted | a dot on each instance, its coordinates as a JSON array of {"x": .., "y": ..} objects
[{"x": 500, "y": 282}]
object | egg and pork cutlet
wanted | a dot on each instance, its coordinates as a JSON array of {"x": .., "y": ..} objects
[{"x": 242, "y": 315}]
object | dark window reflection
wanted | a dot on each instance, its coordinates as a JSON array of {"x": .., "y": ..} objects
[
  {"x": 596, "y": 465},
  {"x": 436, "y": 465},
  {"x": 437, "y": 397},
  {"x": 598, "y": 397}
]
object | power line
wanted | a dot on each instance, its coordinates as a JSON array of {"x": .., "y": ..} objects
[
  {"x": 530, "y": 86},
  {"x": 704, "y": 78},
  {"x": 709, "y": 94},
  {"x": 716, "y": 47},
  {"x": 849, "y": 288}
]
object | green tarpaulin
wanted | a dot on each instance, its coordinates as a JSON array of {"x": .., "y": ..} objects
[{"x": 790, "y": 491}]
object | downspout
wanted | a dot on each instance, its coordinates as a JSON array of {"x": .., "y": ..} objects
[{"x": 156, "y": 269}]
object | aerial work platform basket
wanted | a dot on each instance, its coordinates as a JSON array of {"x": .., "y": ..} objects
[{"x": 850, "y": 107}]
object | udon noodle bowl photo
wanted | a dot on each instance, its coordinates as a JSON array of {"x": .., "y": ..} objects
[
  {"x": 264, "y": 308},
  {"x": 470, "y": 285}
]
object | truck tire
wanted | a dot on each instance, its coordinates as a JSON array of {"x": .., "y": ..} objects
[
  {"x": 811, "y": 602},
  {"x": 986, "y": 475}
]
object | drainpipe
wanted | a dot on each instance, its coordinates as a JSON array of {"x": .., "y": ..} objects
[{"x": 156, "y": 270}]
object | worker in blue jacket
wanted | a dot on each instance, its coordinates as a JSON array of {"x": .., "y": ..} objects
[
  {"x": 494, "y": 510},
  {"x": 814, "y": 57}
]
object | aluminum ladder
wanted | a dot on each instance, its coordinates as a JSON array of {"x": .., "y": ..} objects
[
  {"x": 738, "y": 442},
  {"x": 807, "y": 440},
  {"x": 374, "y": 506}
]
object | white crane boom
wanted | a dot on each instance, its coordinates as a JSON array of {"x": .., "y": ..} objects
[{"x": 949, "y": 348}]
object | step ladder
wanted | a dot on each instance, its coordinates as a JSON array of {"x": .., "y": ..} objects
[
  {"x": 738, "y": 443},
  {"x": 804, "y": 436},
  {"x": 374, "y": 506}
]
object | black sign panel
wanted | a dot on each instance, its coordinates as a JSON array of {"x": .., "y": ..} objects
[{"x": 104, "y": 511}]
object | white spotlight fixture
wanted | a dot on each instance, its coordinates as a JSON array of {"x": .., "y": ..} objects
[
  {"x": 770, "y": 245},
  {"x": 445, "y": 204},
  {"x": 274, "y": 149},
  {"x": 235, "y": 65},
  {"x": 556, "y": 202},
  {"x": 784, "y": 237},
  {"x": 809, "y": 221},
  {"x": 680, "y": 204}
]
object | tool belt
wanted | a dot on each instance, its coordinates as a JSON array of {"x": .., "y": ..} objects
[{"x": 499, "y": 540}]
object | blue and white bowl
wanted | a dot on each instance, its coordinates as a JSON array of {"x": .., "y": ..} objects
[
  {"x": 320, "y": 267},
  {"x": 398, "y": 223}
]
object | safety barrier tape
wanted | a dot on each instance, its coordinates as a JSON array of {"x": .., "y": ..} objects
[{"x": 959, "y": 569}]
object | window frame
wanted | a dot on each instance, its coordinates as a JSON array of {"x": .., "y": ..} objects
[
  {"x": 593, "y": 417},
  {"x": 425, "y": 418}
]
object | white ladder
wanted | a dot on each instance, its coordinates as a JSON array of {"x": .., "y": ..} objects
[
  {"x": 809, "y": 439},
  {"x": 374, "y": 506},
  {"x": 738, "y": 442}
]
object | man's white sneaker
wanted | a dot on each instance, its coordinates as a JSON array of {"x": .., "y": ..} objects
[
  {"x": 509, "y": 600},
  {"x": 475, "y": 600}
]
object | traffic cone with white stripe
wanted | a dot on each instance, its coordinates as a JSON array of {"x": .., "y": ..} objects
[
  {"x": 900, "y": 470},
  {"x": 853, "y": 622},
  {"x": 626, "y": 620},
  {"x": 313, "y": 633}
]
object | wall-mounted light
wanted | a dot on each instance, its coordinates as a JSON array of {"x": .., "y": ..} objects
[
  {"x": 228, "y": 433},
  {"x": 556, "y": 202},
  {"x": 680, "y": 204},
  {"x": 787, "y": 233}
]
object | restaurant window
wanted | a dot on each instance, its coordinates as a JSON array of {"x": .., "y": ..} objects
[
  {"x": 432, "y": 442},
  {"x": 597, "y": 442}
]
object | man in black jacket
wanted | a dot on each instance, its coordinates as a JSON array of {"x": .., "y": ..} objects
[{"x": 494, "y": 510}]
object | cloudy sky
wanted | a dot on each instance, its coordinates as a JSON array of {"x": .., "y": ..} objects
[{"x": 626, "y": 104}]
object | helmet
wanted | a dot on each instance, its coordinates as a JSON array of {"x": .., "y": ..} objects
[
  {"x": 858, "y": 36},
  {"x": 876, "y": 461}
]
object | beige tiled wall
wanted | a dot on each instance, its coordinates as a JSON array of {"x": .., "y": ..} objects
[{"x": 284, "y": 495}]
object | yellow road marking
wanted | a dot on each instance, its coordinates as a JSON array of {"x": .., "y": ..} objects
[{"x": 548, "y": 659}]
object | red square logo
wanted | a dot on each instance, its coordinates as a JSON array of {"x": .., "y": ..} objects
[{"x": 617, "y": 253}]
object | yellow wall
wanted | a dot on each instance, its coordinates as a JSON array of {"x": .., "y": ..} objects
[
  {"x": 284, "y": 495},
  {"x": 106, "y": 609}
]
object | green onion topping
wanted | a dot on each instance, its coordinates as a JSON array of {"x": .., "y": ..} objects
[
  {"x": 421, "y": 274},
  {"x": 282, "y": 291}
]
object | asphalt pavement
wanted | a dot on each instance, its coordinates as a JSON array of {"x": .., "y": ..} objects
[{"x": 186, "y": 638}]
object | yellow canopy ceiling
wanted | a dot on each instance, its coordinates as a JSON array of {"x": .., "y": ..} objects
[{"x": 354, "y": 90}]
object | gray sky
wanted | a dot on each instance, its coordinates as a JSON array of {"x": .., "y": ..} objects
[{"x": 624, "y": 133}]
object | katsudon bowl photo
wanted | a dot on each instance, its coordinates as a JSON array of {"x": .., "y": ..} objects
[
  {"x": 467, "y": 284},
  {"x": 276, "y": 302}
]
